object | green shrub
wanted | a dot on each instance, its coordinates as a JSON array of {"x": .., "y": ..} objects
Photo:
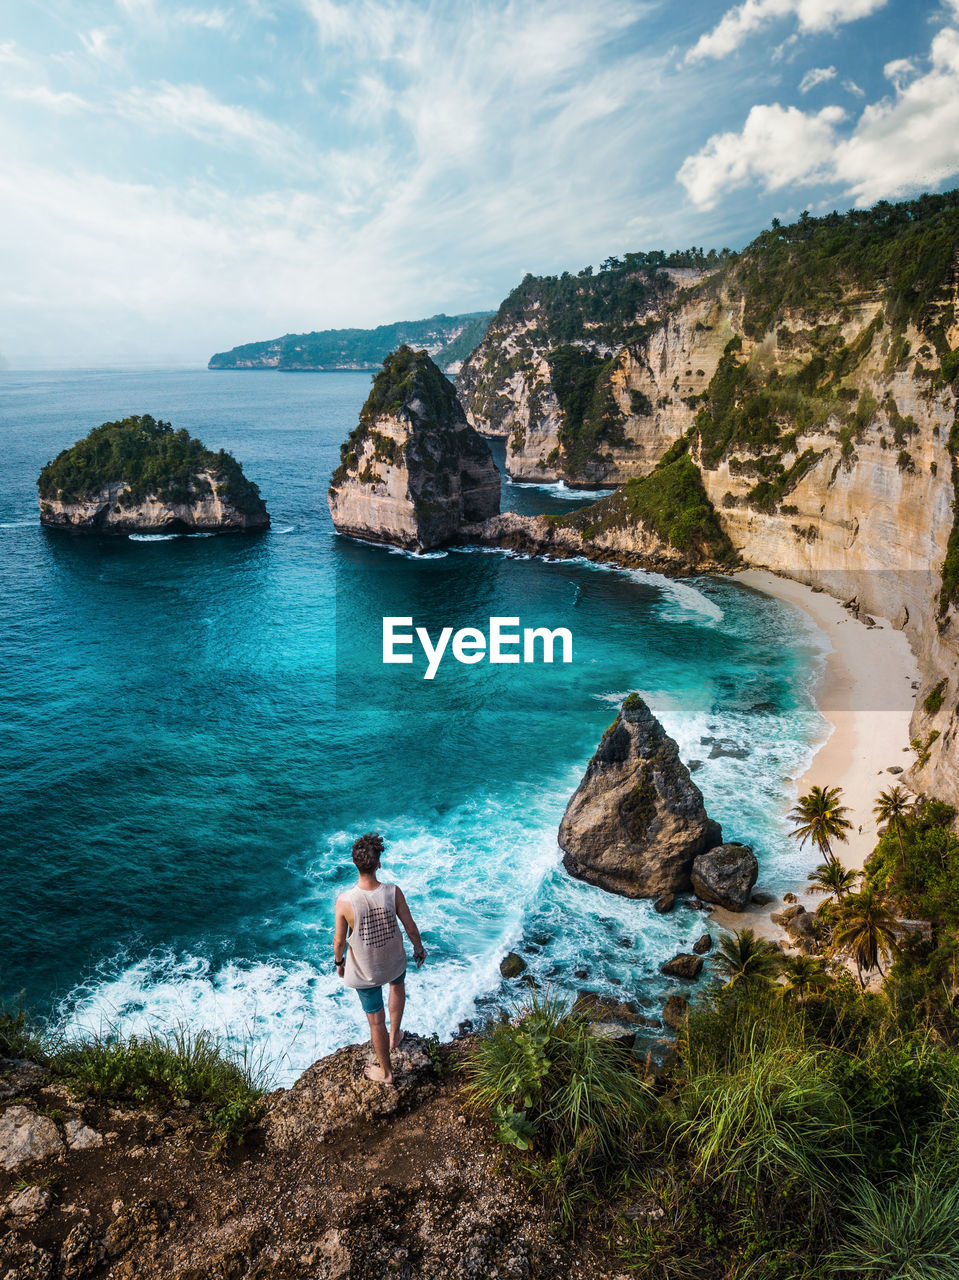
[
  {"x": 181, "y": 1065},
  {"x": 553, "y": 1086},
  {"x": 19, "y": 1036},
  {"x": 778, "y": 1125},
  {"x": 905, "y": 1230},
  {"x": 932, "y": 703}
]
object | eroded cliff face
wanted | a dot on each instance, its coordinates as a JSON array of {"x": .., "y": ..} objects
[
  {"x": 825, "y": 433},
  {"x": 108, "y": 511},
  {"x": 572, "y": 399},
  {"x": 861, "y": 508},
  {"x": 413, "y": 471}
]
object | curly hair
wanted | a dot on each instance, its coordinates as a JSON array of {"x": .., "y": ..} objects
[{"x": 367, "y": 851}]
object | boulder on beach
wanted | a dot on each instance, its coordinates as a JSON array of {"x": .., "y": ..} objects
[
  {"x": 637, "y": 821},
  {"x": 726, "y": 875},
  {"x": 683, "y": 966}
]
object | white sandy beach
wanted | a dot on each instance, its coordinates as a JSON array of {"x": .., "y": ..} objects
[{"x": 866, "y": 694}]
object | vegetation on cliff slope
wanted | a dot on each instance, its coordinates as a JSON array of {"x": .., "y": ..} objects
[
  {"x": 452, "y": 337},
  {"x": 181, "y": 1068},
  {"x": 905, "y": 250},
  {"x": 152, "y": 460},
  {"x": 671, "y": 501},
  {"x": 809, "y": 1128}
]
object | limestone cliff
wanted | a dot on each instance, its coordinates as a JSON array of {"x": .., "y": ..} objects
[
  {"x": 636, "y": 822},
  {"x": 812, "y": 382},
  {"x": 138, "y": 475},
  {"x": 413, "y": 471},
  {"x": 560, "y": 375}
]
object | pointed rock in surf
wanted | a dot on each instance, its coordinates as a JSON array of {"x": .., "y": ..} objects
[
  {"x": 637, "y": 821},
  {"x": 413, "y": 471}
]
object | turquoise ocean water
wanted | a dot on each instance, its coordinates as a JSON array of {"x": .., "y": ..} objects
[{"x": 195, "y": 729}]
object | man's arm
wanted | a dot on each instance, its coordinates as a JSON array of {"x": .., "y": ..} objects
[
  {"x": 409, "y": 924},
  {"x": 339, "y": 936}
]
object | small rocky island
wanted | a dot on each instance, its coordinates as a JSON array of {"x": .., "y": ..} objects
[
  {"x": 413, "y": 471},
  {"x": 637, "y": 822},
  {"x": 140, "y": 476}
]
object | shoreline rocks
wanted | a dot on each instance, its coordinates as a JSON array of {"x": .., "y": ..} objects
[
  {"x": 683, "y": 965},
  {"x": 636, "y": 822},
  {"x": 726, "y": 875}
]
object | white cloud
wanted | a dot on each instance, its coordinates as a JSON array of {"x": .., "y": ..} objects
[
  {"x": 211, "y": 19},
  {"x": 739, "y": 23},
  {"x": 911, "y": 141},
  {"x": 9, "y": 57},
  {"x": 777, "y": 146},
  {"x": 99, "y": 43},
  {"x": 193, "y": 110},
  {"x": 851, "y": 87},
  {"x": 816, "y": 76},
  {"x": 901, "y": 144},
  {"x": 40, "y": 95}
]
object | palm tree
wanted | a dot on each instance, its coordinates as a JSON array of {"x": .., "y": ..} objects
[
  {"x": 747, "y": 961},
  {"x": 805, "y": 976},
  {"x": 890, "y": 809},
  {"x": 818, "y": 817},
  {"x": 832, "y": 877},
  {"x": 866, "y": 931}
]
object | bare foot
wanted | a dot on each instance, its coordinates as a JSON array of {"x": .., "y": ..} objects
[
  {"x": 395, "y": 1044},
  {"x": 374, "y": 1072}
]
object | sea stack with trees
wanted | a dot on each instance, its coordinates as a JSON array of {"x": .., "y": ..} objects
[
  {"x": 413, "y": 471},
  {"x": 138, "y": 475}
]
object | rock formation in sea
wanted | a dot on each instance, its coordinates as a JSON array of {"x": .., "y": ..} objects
[
  {"x": 413, "y": 472},
  {"x": 636, "y": 822},
  {"x": 138, "y": 475}
]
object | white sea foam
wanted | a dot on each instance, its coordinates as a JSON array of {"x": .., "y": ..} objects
[
  {"x": 154, "y": 537},
  {"x": 559, "y": 489},
  {"x": 18, "y": 524}
]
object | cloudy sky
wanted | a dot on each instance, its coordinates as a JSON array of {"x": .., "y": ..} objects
[{"x": 178, "y": 177}]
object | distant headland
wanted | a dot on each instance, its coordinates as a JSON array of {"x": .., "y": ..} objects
[{"x": 448, "y": 339}]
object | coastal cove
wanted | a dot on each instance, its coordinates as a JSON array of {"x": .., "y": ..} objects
[{"x": 221, "y": 738}]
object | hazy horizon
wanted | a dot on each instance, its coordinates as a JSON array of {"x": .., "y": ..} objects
[{"x": 179, "y": 179}]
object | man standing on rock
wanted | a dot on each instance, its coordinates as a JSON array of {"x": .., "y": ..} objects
[{"x": 374, "y": 954}]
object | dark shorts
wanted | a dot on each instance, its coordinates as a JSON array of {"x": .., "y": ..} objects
[{"x": 371, "y": 998}]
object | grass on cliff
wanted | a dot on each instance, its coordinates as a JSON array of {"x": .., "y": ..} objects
[
  {"x": 152, "y": 459},
  {"x": 671, "y": 501},
  {"x": 803, "y": 1133},
  {"x": 170, "y": 1069}
]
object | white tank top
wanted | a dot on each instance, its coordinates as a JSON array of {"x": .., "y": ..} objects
[{"x": 375, "y": 953}]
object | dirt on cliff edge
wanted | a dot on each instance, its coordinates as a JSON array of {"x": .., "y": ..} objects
[{"x": 342, "y": 1179}]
